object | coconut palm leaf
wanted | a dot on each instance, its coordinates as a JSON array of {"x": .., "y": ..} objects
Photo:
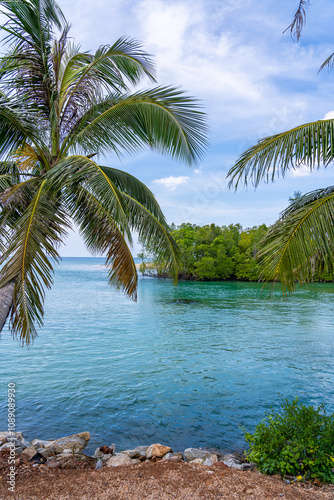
[
  {"x": 329, "y": 63},
  {"x": 106, "y": 69},
  {"x": 130, "y": 185},
  {"x": 102, "y": 236},
  {"x": 309, "y": 144},
  {"x": 29, "y": 258},
  {"x": 152, "y": 231},
  {"x": 299, "y": 19},
  {"x": 300, "y": 241},
  {"x": 15, "y": 127},
  {"x": 75, "y": 171},
  {"x": 164, "y": 118}
]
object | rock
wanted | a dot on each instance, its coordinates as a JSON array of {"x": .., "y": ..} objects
[
  {"x": 75, "y": 442},
  {"x": 28, "y": 453},
  {"x": 19, "y": 450},
  {"x": 142, "y": 449},
  {"x": 46, "y": 452},
  {"x": 67, "y": 451},
  {"x": 106, "y": 457},
  {"x": 25, "y": 443},
  {"x": 40, "y": 443},
  {"x": 16, "y": 442},
  {"x": 207, "y": 461},
  {"x": 174, "y": 457},
  {"x": 192, "y": 453},
  {"x": 120, "y": 459},
  {"x": 234, "y": 461},
  {"x": 7, "y": 434},
  {"x": 132, "y": 453},
  {"x": 157, "y": 450},
  {"x": 197, "y": 461},
  {"x": 98, "y": 453},
  {"x": 7, "y": 446},
  {"x": 99, "y": 464}
]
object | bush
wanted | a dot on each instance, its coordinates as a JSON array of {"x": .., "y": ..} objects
[{"x": 298, "y": 440}]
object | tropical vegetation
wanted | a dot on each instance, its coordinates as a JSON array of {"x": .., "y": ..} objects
[
  {"x": 212, "y": 252},
  {"x": 300, "y": 245},
  {"x": 61, "y": 109},
  {"x": 297, "y": 440}
]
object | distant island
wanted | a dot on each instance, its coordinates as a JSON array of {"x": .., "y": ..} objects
[{"x": 215, "y": 253}]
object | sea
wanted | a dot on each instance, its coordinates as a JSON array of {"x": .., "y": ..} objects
[{"x": 193, "y": 365}]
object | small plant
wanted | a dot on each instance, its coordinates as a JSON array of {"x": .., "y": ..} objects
[{"x": 298, "y": 440}]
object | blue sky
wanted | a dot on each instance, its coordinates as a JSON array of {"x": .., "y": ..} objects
[{"x": 253, "y": 81}]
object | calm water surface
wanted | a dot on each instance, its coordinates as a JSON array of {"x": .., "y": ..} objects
[{"x": 185, "y": 366}]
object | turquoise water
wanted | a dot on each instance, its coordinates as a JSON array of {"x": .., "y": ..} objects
[{"x": 186, "y": 366}]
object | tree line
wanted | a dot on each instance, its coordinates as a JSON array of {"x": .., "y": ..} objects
[{"x": 216, "y": 253}]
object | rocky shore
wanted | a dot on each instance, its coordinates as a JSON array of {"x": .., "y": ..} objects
[
  {"x": 61, "y": 470},
  {"x": 50, "y": 452}
]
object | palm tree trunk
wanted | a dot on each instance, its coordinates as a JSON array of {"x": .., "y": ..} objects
[{"x": 6, "y": 301}]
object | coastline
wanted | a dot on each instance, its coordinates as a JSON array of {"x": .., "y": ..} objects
[{"x": 73, "y": 475}]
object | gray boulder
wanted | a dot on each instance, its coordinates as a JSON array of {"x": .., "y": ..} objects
[
  {"x": 192, "y": 454},
  {"x": 233, "y": 461},
  {"x": 120, "y": 459},
  {"x": 6, "y": 434},
  {"x": 41, "y": 443},
  {"x": 98, "y": 453},
  {"x": 25, "y": 443},
  {"x": 207, "y": 461},
  {"x": 173, "y": 457},
  {"x": 76, "y": 442}
]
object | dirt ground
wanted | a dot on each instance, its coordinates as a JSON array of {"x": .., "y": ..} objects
[{"x": 161, "y": 480}]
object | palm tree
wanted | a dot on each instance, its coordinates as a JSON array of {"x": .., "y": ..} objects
[
  {"x": 60, "y": 109},
  {"x": 302, "y": 240}
]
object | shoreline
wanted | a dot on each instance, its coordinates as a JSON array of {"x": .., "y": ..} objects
[{"x": 70, "y": 474}]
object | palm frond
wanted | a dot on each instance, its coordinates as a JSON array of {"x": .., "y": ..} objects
[
  {"x": 329, "y": 63},
  {"x": 15, "y": 127},
  {"x": 86, "y": 77},
  {"x": 154, "y": 233},
  {"x": 300, "y": 240},
  {"x": 102, "y": 236},
  {"x": 74, "y": 172},
  {"x": 130, "y": 185},
  {"x": 309, "y": 144},
  {"x": 299, "y": 19},
  {"x": 164, "y": 118},
  {"x": 28, "y": 260}
]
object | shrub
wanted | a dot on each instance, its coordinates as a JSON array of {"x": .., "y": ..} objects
[{"x": 298, "y": 440}]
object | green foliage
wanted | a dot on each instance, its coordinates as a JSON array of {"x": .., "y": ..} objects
[
  {"x": 216, "y": 253},
  {"x": 298, "y": 440}
]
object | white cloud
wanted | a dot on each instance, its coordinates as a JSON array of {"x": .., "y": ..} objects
[
  {"x": 329, "y": 115},
  {"x": 171, "y": 182}
]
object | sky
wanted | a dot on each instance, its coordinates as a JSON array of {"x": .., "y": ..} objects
[{"x": 251, "y": 79}]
